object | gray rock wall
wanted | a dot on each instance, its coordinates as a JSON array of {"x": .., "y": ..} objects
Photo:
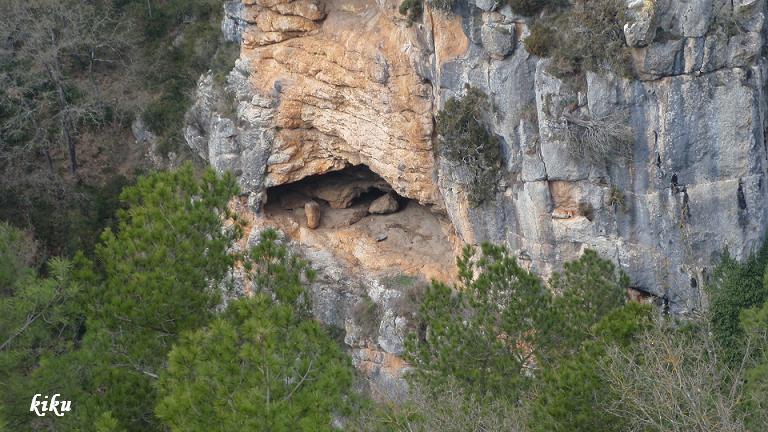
[{"x": 695, "y": 183}]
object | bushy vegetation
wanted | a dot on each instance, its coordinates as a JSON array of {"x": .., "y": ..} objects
[
  {"x": 443, "y": 5},
  {"x": 259, "y": 366},
  {"x": 583, "y": 36},
  {"x": 736, "y": 287},
  {"x": 542, "y": 38},
  {"x": 616, "y": 198},
  {"x": 531, "y": 7},
  {"x": 492, "y": 332},
  {"x": 411, "y": 9},
  {"x": 599, "y": 140},
  {"x": 574, "y": 394},
  {"x": 464, "y": 140},
  {"x": 75, "y": 75},
  {"x": 184, "y": 40},
  {"x": 367, "y": 314},
  {"x": 133, "y": 338},
  {"x": 120, "y": 319},
  {"x": 141, "y": 339},
  {"x": 690, "y": 390},
  {"x": 452, "y": 411},
  {"x": 484, "y": 333},
  {"x": 594, "y": 362}
]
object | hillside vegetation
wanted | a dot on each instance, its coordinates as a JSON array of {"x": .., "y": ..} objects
[
  {"x": 143, "y": 339},
  {"x": 130, "y": 290},
  {"x": 75, "y": 76}
]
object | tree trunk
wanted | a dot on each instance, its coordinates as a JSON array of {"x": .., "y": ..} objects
[
  {"x": 48, "y": 159},
  {"x": 66, "y": 124}
]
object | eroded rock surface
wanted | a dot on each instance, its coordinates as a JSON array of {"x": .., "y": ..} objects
[
  {"x": 312, "y": 211},
  {"x": 321, "y": 85},
  {"x": 386, "y": 203}
]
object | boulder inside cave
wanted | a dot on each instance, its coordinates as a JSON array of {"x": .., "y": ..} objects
[
  {"x": 344, "y": 196},
  {"x": 365, "y": 222}
]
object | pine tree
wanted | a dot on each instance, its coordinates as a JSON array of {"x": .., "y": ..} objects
[
  {"x": 157, "y": 275},
  {"x": 574, "y": 394},
  {"x": 264, "y": 365},
  {"x": 483, "y": 332}
]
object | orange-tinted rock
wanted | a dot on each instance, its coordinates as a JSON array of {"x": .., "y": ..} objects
[
  {"x": 312, "y": 211},
  {"x": 384, "y": 204}
]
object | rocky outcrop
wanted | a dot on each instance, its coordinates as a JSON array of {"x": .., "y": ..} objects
[
  {"x": 384, "y": 204},
  {"x": 322, "y": 85},
  {"x": 694, "y": 184},
  {"x": 312, "y": 211}
]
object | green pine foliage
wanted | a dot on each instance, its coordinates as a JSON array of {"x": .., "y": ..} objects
[
  {"x": 573, "y": 395},
  {"x": 261, "y": 366},
  {"x": 157, "y": 275},
  {"x": 590, "y": 288},
  {"x": 483, "y": 331},
  {"x": 17, "y": 253},
  {"x": 100, "y": 334},
  {"x": 162, "y": 266},
  {"x": 264, "y": 364},
  {"x": 735, "y": 287},
  {"x": 274, "y": 270},
  {"x": 168, "y": 252},
  {"x": 39, "y": 317},
  {"x": 754, "y": 322},
  {"x": 500, "y": 323}
]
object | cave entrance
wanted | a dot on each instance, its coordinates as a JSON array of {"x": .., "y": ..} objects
[
  {"x": 343, "y": 197},
  {"x": 357, "y": 215}
]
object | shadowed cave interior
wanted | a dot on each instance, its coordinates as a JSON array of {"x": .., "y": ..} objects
[{"x": 364, "y": 221}]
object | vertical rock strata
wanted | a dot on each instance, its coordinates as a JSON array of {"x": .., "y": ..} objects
[{"x": 323, "y": 85}]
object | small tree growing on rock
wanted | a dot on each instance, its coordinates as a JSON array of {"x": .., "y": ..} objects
[{"x": 465, "y": 140}]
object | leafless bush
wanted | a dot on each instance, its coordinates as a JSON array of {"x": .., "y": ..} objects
[
  {"x": 674, "y": 382},
  {"x": 452, "y": 411},
  {"x": 599, "y": 139}
]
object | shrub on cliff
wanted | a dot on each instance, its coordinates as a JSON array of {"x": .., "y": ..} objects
[
  {"x": 465, "y": 141},
  {"x": 531, "y": 7},
  {"x": 541, "y": 40},
  {"x": 412, "y": 9},
  {"x": 586, "y": 36},
  {"x": 599, "y": 139},
  {"x": 443, "y": 5}
]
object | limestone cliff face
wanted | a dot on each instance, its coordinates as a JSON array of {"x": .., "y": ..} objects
[{"x": 322, "y": 84}]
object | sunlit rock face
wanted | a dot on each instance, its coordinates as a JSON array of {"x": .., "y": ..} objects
[{"x": 321, "y": 85}]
